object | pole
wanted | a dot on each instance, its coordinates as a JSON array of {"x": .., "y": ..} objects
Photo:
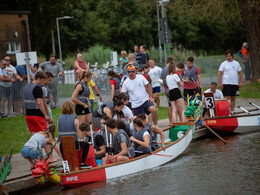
[
  {"x": 159, "y": 40},
  {"x": 58, "y": 32},
  {"x": 53, "y": 43},
  {"x": 25, "y": 22},
  {"x": 165, "y": 29}
]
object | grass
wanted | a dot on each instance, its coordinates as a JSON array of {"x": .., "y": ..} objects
[{"x": 14, "y": 131}]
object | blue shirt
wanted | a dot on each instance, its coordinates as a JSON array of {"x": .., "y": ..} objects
[{"x": 21, "y": 70}]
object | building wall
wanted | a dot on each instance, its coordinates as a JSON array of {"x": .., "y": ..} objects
[{"x": 12, "y": 30}]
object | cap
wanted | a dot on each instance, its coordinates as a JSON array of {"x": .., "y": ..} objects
[{"x": 130, "y": 66}]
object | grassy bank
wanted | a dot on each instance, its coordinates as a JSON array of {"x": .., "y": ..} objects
[{"x": 14, "y": 131}]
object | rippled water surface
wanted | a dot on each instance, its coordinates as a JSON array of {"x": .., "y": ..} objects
[{"x": 206, "y": 167}]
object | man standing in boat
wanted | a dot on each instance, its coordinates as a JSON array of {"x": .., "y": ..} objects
[
  {"x": 123, "y": 149},
  {"x": 228, "y": 71}
]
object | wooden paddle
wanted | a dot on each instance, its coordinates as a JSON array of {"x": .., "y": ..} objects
[{"x": 212, "y": 131}]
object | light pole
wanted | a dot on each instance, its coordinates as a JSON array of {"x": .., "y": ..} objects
[{"x": 58, "y": 32}]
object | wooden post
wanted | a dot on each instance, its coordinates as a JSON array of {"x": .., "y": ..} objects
[{"x": 69, "y": 152}]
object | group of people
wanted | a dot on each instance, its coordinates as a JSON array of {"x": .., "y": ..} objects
[{"x": 128, "y": 122}]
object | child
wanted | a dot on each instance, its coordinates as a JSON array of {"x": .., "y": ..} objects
[
  {"x": 29, "y": 151},
  {"x": 197, "y": 95},
  {"x": 98, "y": 144}
]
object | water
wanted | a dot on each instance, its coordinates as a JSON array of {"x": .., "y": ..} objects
[{"x": 206, "y": 167}]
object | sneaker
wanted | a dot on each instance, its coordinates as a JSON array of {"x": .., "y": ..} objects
[{"x": 85, "y": 166}]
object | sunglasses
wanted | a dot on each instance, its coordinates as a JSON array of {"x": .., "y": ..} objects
[
  {"x": 7, "y": 60},
  {"x": 132, "y": 71}
]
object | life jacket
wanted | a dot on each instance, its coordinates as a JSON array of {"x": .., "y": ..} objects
[
  {"x": 190, "y": 73},
  {"x": 29, "y": 100},
  {"x": 139, "y": 136},
  {"x": 103, "y": 133},
  {"x": 117, "y": 80},
  {"x": 117, "y": 146},
  {"x": 88, "y": 139},
  {"x": 109, "y": 104},
  {"x": 83, "y": 97},
  {"x": 66, "y": 126},
  {"x": 48, "y": 94},
  {"x": 154, "y": 143}
]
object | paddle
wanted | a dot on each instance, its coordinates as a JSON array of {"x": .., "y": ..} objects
[
  {"x": 108, "y": 149},
  {"x": 255, "y": 105},
  {"x": 240, "y": 107},
  {"x": 91, "y": 132},
  {"x": 212, "y": 131}
]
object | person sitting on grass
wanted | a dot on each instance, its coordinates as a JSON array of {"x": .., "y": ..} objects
[
  {"x": 98, "y": 144},
  {"x": 68, "y": 125},
  {"x": 122, "y": 146},
  {"x": 43, "y": 138}
]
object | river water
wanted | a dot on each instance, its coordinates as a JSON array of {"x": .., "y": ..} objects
[{"x": 207, "y": 167}]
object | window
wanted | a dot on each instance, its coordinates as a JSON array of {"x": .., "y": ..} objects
[{"x": 13, "y": 47}]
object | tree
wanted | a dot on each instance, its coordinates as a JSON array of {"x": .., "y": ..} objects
[{"x": 250, "y": 14}]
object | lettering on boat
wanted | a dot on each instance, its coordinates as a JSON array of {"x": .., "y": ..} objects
[
  {"x": 211, "y": 121},
  {"x": 75, "y": 178}
]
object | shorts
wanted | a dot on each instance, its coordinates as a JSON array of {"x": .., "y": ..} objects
[
  {"x": 175, "y": 94},
  {"x": 92, "y": 104},
  {"x": 32, "y": 153},
  {"x": 96, "y": 119},
  {"x": 143, "y": 108},
  {"x": 80, "y": 110},
  {"x": 188, "y": 91},
  {"x": 156, "y": 89},
  {"x": 230, "y": 90},
  {"x": 36, "y": 123},
  {"x": 99, "y": 161},
  {"x": 16, "y": 92},
  {"x": 5, "y": 92}
]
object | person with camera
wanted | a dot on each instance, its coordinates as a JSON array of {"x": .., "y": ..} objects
[{"x": 191, "y": 77}]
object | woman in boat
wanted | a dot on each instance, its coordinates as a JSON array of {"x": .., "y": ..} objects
[
  {"x": 68, "y": 125},
  {"x": 98, "y": 144},
  {"x": 141, "y": 138},
  {"x": 122, "y": 146},
  {"x": 108, "y": 108},
  {"x": 114, "y": 83},
  {"x": 43, "y": 138},
  {"x": 177, "y": 103},
  {"x": 153, "y": 132}
]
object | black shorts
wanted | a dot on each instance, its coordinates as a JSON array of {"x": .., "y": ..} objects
[
  {"x": 80, "y": 110},
  {"x": 230, "y": 90},
  {"x": 175, "y": 94}
]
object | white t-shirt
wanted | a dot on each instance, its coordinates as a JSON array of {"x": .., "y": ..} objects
[
  {"x": 146, "y": 133},
  {"x": 230, "y": 70},
  {"x": 155, "y": 74},
  {"x": 2, "y": 73},
  {"x": 217, "y": 95},
  {"x": 10, "y": 70},
  {"x": 172, "y": 81},
  {"x": 136, "y": 90},
  {"x": 128, "y": 114}
]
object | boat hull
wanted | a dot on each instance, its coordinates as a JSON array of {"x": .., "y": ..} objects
[
  {"x": 238, "y": 124},
  {"x": 119, "y": 169}
]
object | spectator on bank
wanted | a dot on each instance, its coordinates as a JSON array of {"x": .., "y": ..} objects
[
  {"x": 4, "y": 77},
  {"x": 114, "y": 83},
  {"x": 144, "y": 57},
  {"x": 191, "y": 77},
  {"x": 164, "y": 74},
  {"x": 34, "y": 68},
  {"x": 137, "y": 53},
  {"x": 244, "y": 54},
  {"x": 123, "y": 60},
  {"x": 155, "y": 74},
  {"x": 10, "y": 87},
  {"x": 228, "y": 78},
  {"x": 213, "y": 89},
  {"x": 57, "y": 70},
  {"x": 80, "y": 64}
]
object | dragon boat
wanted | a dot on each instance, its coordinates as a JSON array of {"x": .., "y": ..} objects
[{"x": 219, "y": 116}]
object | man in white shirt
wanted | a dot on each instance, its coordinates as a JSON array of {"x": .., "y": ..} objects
[
  {"x": 140, "y": 94},
  {"x": 229, "y": 70},
  {"x": 155, "y": 74},
  {"x": 213, "y": 89}
]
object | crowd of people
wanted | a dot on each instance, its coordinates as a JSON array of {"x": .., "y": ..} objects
[{"x": 128, "y": 122}]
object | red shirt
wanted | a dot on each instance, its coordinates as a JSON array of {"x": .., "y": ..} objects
[
  {"x": 113, "y": 82},
  {"x": 191, "y": 84}
]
